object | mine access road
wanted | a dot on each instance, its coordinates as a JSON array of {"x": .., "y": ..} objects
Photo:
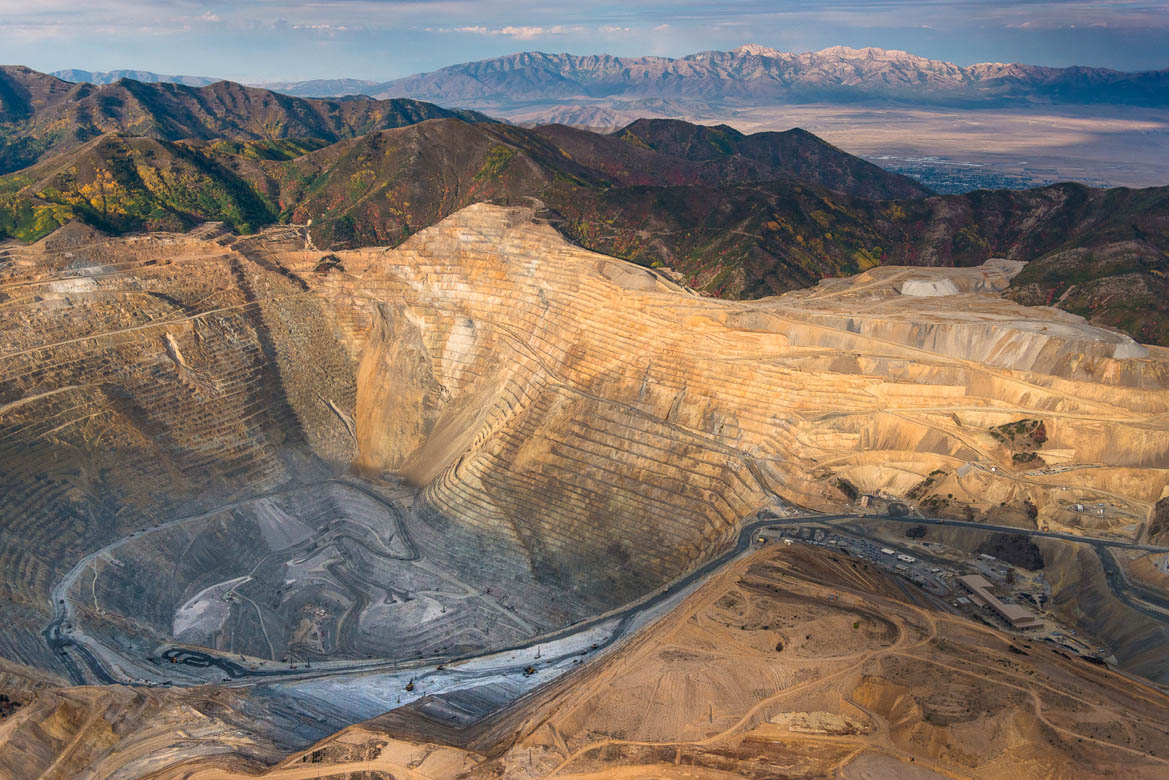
[{"x": 63, "y": 643}]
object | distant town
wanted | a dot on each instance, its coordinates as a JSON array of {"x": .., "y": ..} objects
[{"x": 953, "y": 177}]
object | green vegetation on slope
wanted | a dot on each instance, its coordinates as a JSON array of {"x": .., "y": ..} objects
[
  {"x": 724, "y": 230},
  {"x": 121, "y": 184}
]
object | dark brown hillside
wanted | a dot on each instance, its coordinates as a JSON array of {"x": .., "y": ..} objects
[
  {"x": 23, "y": 89},
  {"x": 731, "y": 238},
  {"x": 638, "y": 204},
  {"x": 630, "y": 161},
  {"x": 795, "y": 153},
  {"x": 383, "y": 187},
  {"x": 41, "y": 115}
]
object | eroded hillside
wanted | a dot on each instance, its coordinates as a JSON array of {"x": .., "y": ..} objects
[
  {"x": 572, "y": 429},
  {"x": 853, "y": 381},
  {"x": 225, "y": 458}
]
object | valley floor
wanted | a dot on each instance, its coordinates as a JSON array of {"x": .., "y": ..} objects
[{"x": 989, "y": 149}]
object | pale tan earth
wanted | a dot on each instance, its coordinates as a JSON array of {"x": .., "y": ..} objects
[
  {"x": 571, "y": 417},
  {"x": 862, "y": 674},
  {"x": 1080, "y": 597},
  {"x": 791, "y": 663},
  {"x": 1148, "y": 569},
  {"x": 531, "y": 359},
  {"x": 578, "y": 426}
]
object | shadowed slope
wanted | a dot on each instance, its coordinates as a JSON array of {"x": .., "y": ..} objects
[{"x": 792, "y": 662}]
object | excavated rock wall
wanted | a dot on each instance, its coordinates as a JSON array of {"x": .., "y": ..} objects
[
  {"x": 572, "y": 422},
  {"x": 144, "y": 380},
  {"x": 534, "y": 389}
]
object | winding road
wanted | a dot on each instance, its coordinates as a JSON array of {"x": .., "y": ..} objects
[
  {"x": 62, "y": 640},
  {"x": 65, "y": 645},
  {"x": 919, "y": 520}
]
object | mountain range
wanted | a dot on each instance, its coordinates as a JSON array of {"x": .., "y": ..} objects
[
  {"x": 145, "y": 76},
  {"x": 759, "y": 75},
  {"x": 754, "y": 74},
  {"x": 730, "y": 214},
  {"x": 42, "y": 115}
]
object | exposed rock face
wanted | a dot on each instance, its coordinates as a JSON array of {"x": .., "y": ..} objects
[
  {"x": 573, "y": 423},
  {"x": 526, "y": 357},
  {"x": 145, "y": 380},
  {"x": 928, "y": 288},
  {"x": 1159, "y": 525},
  {"x": 576, "y": 430},
  {"x": 943, "y": 696},
  {"x": 120, "y": 731},
  {"x": 535, "y": 395}
]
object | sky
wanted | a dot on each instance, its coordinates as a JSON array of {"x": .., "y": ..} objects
[{"x": 264, "y": 40}]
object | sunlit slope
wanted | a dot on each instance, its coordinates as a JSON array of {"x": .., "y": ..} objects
[
  {"x": 573, "y": 423},
  {"x": 510, "y": 356}
]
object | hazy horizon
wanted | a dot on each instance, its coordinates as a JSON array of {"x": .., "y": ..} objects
[{"x": 376, "y": 40}]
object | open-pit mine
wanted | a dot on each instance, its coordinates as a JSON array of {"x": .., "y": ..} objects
[{"x": 488, "y": 504}]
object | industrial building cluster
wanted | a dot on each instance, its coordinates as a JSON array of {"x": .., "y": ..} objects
[{"x": 963, "y": 582}]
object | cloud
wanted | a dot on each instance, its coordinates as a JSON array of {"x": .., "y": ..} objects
[
  {"x": 498, "y": 18},
  {"x": 1127, "y": 14},
  {"x": 127, "y": 18},
  {"x": 394, "y": 37},
  {"x": 520, "y": 33},
  {"x": 330, "y": 28}
]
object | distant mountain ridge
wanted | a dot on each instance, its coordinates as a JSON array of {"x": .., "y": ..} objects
[
  {"x": 760, "y": 75},
  {"x": 322, "y": 88},
  {"x": 712, "y": 79},
  {"x": 145, "y": 76},
  {"x": 310, "y": 89}
]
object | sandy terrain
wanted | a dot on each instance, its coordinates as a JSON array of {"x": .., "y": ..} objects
[
  {"x": 573, "y": 430},
  {"x": 1126, "y": 147},
  {"x": 791, "y": 663}
]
